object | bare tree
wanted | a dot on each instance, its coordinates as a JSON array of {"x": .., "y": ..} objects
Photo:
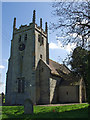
[{"x": 72, "y": 22}]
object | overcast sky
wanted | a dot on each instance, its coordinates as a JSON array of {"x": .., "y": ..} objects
[{"x": 23, "y": 11}]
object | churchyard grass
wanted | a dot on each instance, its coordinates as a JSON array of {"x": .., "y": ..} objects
[{"x": 67, "y": 111}]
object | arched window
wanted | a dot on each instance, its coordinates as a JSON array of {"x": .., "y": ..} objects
[
  {"x": 42, "y": 40},
  {"x": 25, "y": 38},
  {"x": 19, "y": 39},
  {"x": 41, "y": 56},
  {"x": 38, "y": 38},
  {"x": 21, "y": 86},
  {"x": 67, "y": 92},
  {"x": 42, "y": 69}
]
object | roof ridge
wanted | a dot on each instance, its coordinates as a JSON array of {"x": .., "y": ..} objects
[
  {"x": 56, "y": 62},
  {"x": 46, "y": 64},
  {"x": 61, "y": 64}
]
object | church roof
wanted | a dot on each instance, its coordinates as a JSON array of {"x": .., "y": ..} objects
[
  {"x": 68, "y": 78},
  {"x": 58, "y": 69},
  {"x": 71, "y": 80}
]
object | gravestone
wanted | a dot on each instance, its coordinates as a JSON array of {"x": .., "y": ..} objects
[{"x": 28, "y": 106}]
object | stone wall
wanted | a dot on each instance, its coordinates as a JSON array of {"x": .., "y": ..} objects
[
  {"x": 54, "y": 85},
  {"x": 68, "y": 94},
  {"x": 43, "y": 88},
  {"x": 40, "y": 49}
]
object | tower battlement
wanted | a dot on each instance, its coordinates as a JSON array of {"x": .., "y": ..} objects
[{"x": 30, "y": 26}]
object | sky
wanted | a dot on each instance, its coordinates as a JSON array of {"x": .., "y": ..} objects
[{"x": 23, "y": 11}]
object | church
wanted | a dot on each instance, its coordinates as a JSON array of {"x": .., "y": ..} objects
[{"x": 32, "y": 75}]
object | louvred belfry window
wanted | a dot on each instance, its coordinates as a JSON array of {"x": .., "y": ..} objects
[
  {"x": 38, "y": 38},
  {"x": 19, "y": 39},
  {"x": 25, "y": 38},
  {"x": 42, "y": 41}
]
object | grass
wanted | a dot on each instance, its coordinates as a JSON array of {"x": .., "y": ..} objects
[{"x": 68, "y": 111}]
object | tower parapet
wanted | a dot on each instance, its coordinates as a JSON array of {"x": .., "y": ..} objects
[
  {"x": 34, "y": 16},
  {"x": 41, "y": 22},
  {"x": 14, "y": 24},
  {"x": 23, "y": 28},
  {"x": 46, "y": 29}
]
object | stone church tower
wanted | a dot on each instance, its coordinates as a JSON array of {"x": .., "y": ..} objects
[{"x": 29, "y": 44}]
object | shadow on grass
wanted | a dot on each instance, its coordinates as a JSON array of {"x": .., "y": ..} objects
[{"x": 79, "y": 113}]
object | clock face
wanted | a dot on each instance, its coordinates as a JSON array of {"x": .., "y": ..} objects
[{"x": 21, "y": 47}]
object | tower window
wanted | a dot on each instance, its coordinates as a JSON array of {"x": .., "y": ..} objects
[
  {"x": 38, "y": 38},
  {"x": 42, "y": 42},
  {"x": 20, "y": 86},
  {"x": 40, "y": 56},
  {"x": 22, "y": 57},
  {"x": 67, "y": 93},
  {"x": 42, "y": 69},
  {"x": 25, "y": 38},
  {"x": 33, "y": 61},
  {"x": 19, "y": 39}
]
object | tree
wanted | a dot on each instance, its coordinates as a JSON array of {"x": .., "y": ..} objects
[
  {"x": 88, "y": 78},
  {"x": 72, "y": 22},
  {"x": 79, "y": 62},
  {"x": 72, "y": 25}
]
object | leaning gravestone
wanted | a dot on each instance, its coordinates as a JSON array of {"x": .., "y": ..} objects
[{"x": 28, "y": 106}]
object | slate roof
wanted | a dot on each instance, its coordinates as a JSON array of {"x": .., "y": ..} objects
[
  {"x": 68, "y": 78},
  {"x": 71, "y": 80},
  {"x": 58, "y": 69}
]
